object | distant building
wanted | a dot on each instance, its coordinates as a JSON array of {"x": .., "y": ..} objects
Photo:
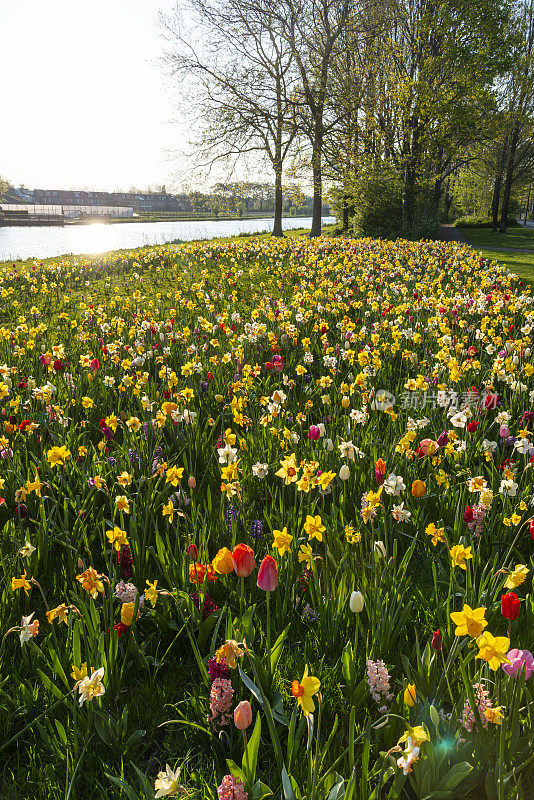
[{"x": 138, "y": 202}]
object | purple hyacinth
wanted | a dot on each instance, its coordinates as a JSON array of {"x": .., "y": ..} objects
[
  {"x": 232, "y": 513},
  {"x": 217, "y": 670},
  {"x": 132, "y": 455},
  {"x": 256, "y": 529}
]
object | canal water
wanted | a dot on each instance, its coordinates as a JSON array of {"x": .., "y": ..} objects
[{"x": 48, "y": 242}]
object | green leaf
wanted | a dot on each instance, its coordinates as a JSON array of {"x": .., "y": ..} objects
[
  {"x": 236, "y": 771},
  {"x": 289, "y": 794},
  {"x": 251, "y": 686},
  {"x": 50, "y": 686},
  {"x": 250, "y": 756},
  {"x": 260, "y": 790},
  {"x": 434, "y": 716},
  {"x": 310, "y": 724},
  {"x": 276, "y": 649},
  {"x": 456, "y": 775},
  {"x": 337, "y": 792}
]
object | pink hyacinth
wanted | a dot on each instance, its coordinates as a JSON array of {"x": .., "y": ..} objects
[
  {"x": 232, "y": 788},
  {"x": 125, "y": 592},
  {"x": 378, "y": 679},
  {"x": 517, "y": 659},
  {"x": 483, "y": 702},
  {"x": 221, "y": 697},
  {"x": 477, "y": 523}
]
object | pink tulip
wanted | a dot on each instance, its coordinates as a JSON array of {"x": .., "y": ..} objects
[
  {"x": 268, "y": 574},
  {"x": 519, "y": 659},
  {"x": 278, "y": 363},
  {"x": 243, "y": 715},
  {"x": 428, "y": 447}
]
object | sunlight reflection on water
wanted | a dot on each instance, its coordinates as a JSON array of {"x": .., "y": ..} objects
[{"x": 47, "y": 242}]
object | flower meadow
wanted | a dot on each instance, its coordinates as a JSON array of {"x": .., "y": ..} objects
[{"x": 266, "y": 512}]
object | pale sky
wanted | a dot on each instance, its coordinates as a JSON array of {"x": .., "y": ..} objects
[{"x": 83, "y": 101}]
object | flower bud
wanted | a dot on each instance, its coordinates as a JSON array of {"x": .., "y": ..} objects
[
  {"x": 418, "y": 488},
  {"x": 344, "y": 472},
  {"x": 191, "y": 482},
  {"x": 243, "y": 715},
  {"x": 356, "y": 602},
  {"x": 409, "y": 695},
  {"x": 380, "y": 549},
  {"x": 192, "y": 552},
  {"x": 437, "y": 641}
]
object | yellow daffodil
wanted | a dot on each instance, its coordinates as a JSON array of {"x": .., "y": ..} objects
[
  {"x": 282, "y": 541},
  {"x": 469, "y": 621},
  {"x": 21, "y": 583},
  {"x": 460, "y": 555},
  {"x": 117, "y": 537},
  {"x": 314, "y": 527},
  {"x": 306, "y": 554},
  {"x": 493, "y": 649},
  {"x": 517, "y": 576},
  {"x": 305, "y": 690},
  {"x": 151, "y": 593}
]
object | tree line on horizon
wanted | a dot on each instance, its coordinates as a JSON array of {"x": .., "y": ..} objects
[
  {"x": 392, "y": 106},
  {"x": 224, "y": 197}
]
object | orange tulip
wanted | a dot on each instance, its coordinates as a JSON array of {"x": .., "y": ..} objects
[{"x": 418, "y": 488}]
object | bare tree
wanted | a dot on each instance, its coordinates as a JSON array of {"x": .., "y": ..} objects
[
  {"x": 313, "y": 30},
  {"x": 236, "y": 70}
]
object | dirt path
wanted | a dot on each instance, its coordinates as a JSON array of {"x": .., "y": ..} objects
[{"x": 451, "y": 234}]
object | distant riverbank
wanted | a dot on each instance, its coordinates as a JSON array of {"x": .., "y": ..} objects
[{"x": 185, "y": 217}]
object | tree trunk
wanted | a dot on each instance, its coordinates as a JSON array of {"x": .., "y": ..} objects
[
  {"x": 317, "y": 179},
  {"x": 448, "y": 201},
  {"x": 495, "y": 200},
  {"x": 408, "y": 195},
  {"x": 345, "y": 213},
  {"x": 497, "y": 186},
  {"x": 510, "y": 163},
  {"x": 436, "y": 196},
  {"x": 277, "y": 228}
]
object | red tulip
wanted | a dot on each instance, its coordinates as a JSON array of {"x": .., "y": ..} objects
[
  {"x": 268, "y": 574},
  {"x": 532, "y": 528},
  {"x": 121, "y": 628},
  {"x": 510, "y": 606},
  {"x": 243, "y": 558},
  {"x": 437, "y": 641},
  {"x": 490, "y": 401},
  {"x": 192, "y": 552},
  {"x": 468, "y": 515},
  {"x": 472, "y": 426}
]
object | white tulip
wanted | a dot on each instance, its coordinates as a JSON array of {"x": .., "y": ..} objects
[
  {"x": 344, "y": 473},
  {"x": 356, "y": 602}
]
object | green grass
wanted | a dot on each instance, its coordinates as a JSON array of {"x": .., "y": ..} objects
[
  {"x": 488, "y": 244},
  {"x": 517, "y": 236}
]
